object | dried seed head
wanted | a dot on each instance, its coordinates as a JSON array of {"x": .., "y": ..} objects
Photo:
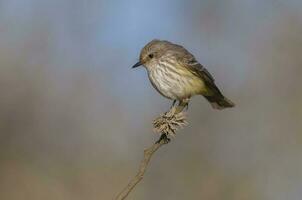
[{"x": 170, "y": 122}]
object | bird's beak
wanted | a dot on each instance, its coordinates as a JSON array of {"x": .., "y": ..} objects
[{"x": 137, "y": 65}]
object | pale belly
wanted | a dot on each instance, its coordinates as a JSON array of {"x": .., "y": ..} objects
[{"x": 177, "y": 86}]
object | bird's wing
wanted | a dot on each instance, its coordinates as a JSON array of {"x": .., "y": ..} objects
[
  {"x": 187, "y": 60},
  {"x": 200, "y": 70}
]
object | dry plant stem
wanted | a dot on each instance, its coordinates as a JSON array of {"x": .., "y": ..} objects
[
  {"x": 145, "y": 162},
  {"x": 142, "y": 169}
]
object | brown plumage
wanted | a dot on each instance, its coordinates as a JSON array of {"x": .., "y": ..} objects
[{"x": 175, "y": 73}]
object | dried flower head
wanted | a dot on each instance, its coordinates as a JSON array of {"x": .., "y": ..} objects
[{"x": 169, "y": 122}]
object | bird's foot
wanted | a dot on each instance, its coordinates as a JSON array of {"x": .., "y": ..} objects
[
  {"x": 173, "y": 104},
  {"x": 186, "y": 106},
  {"x": 163, "y": 138}
]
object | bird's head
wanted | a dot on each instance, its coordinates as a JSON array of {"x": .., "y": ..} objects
[{"x": 151, "y": 53}]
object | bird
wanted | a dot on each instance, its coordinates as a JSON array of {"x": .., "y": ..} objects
[{"x": 176, "y": 74}]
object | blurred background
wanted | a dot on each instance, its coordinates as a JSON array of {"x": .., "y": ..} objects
[{"x": 74, "y": 118}]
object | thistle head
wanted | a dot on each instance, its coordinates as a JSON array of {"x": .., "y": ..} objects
[{"x": 169, "y": 122}]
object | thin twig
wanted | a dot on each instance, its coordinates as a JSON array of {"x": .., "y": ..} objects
[
  {"x": 175, "y": 111},
  {"x": 142, "y": 169}
]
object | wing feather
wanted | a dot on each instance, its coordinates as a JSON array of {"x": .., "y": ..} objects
[{"x": 187, "y": 60}]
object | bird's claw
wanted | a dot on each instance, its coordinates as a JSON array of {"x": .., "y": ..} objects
[
  {"x": 173, "y": 104},
  {"x": 186, "y": 106}
]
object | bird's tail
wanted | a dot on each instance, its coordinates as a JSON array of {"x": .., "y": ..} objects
[{"x": 218, "y": 101}]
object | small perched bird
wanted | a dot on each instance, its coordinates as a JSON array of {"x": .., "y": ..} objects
[{"x": 175, "y": 74}]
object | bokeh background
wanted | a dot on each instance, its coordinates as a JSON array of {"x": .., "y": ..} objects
[{"x": 74, "y": 118}]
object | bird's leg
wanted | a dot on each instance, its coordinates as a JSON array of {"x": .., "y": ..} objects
[
  {"x": 173, "y": 104},
  {"x": 164, "y": 138},
  {"x": 184, "y": 103},
  {"x": 187, "y": 103},
  {"x": 187, "y": 106}
]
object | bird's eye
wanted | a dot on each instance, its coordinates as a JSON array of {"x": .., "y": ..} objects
[{"x": 151, "y": 55}]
